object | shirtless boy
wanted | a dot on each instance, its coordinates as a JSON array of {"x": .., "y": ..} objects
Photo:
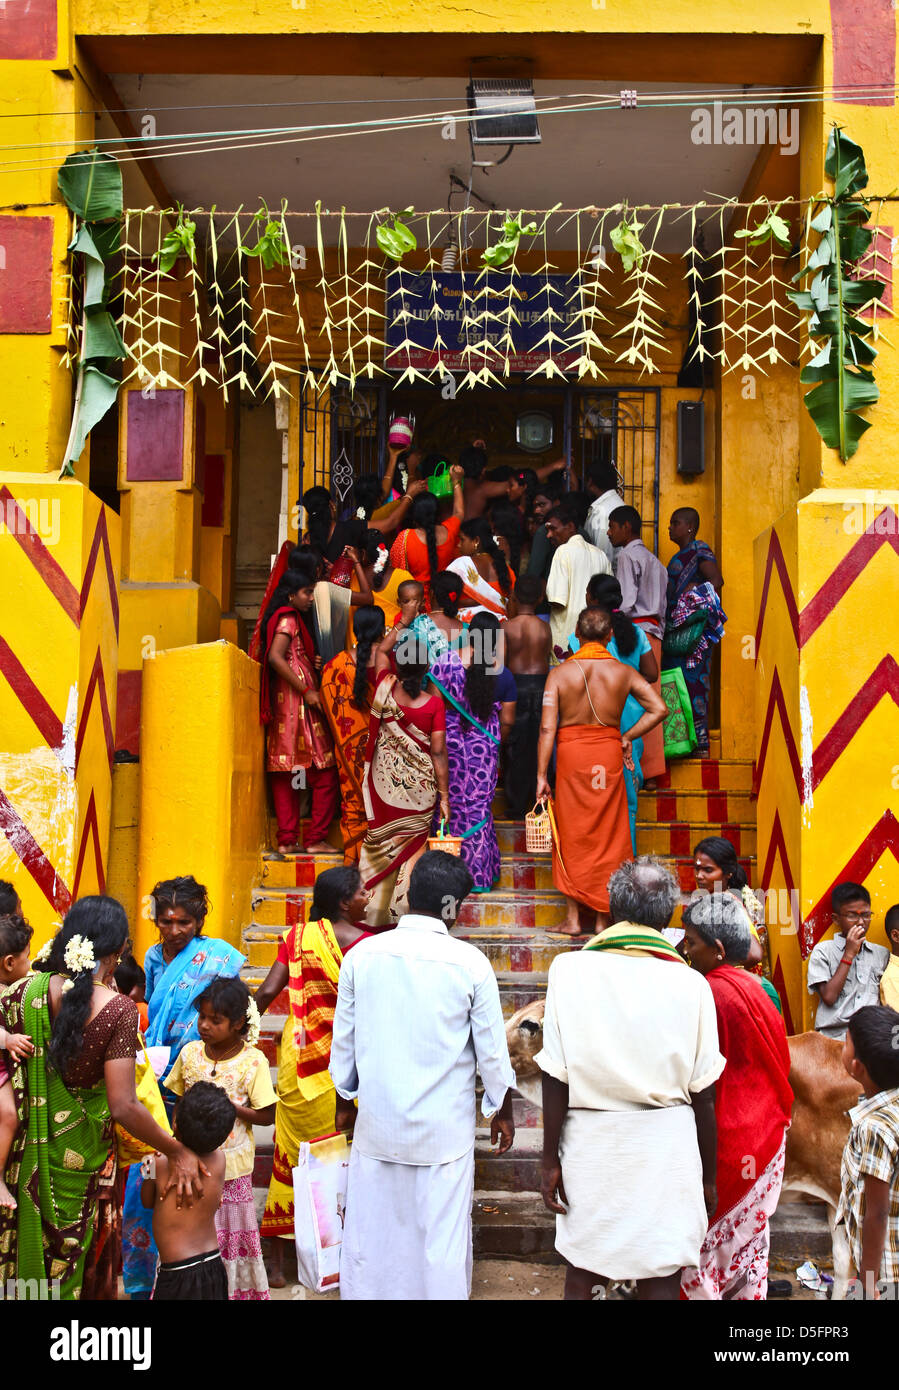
[
  {"x": 528, "y": 648},
  {"x": 190, "y": 1265}
]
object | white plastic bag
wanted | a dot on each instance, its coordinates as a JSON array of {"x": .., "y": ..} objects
[{"x": 319, "y": 1205}]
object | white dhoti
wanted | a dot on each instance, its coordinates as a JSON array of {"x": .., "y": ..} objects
[
  {"x": 633, "y": 1179},
  {"x": 407, "y": 1232}
]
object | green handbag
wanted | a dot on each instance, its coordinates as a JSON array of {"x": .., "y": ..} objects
[
  {"x": 678, "y": 727},
  {"x": 680, "y": 641},
  {"x": 440, "y": 482}
]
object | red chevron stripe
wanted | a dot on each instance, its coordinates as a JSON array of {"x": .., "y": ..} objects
[
  {"x": 883, "y": 836},
  {"x": 884, "y": 680},
  {"x": 91, "y": 828},
  {"x": 96, "y": 683},
  {"x": 847, "y": 571},
  {"x": 775, "y": 559},
  {"x": 32, "y": 700},
  {"x": 776, "y": 701},
  {"x": 777, "y": 845},
  {"x": 101, "y": 537},
  {"x": 780, "y": 985},
  {"x": 52, "y": 573},
  {"x": 32, "y": 857}
]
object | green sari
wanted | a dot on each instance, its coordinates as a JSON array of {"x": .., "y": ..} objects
[{"x": 57, "y": 1156}]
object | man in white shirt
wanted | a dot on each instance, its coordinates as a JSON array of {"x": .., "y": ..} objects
[
  {"x": 574, "y": 564},
  {"x": 417, "y": 1013},
  {"x": 630, "y": 1058},
  {"x": 602, "y": 486}
]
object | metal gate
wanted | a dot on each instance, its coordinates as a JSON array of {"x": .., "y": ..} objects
[{"x": 344, "y": 436}]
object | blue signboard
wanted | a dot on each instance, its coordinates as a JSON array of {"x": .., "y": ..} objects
[{"x": 462, "y": 310}]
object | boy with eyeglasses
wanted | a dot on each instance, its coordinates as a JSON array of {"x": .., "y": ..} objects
[{"x": 845, "y": 971}]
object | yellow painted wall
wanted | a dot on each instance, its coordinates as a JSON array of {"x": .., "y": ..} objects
[
  {"x": 491, "y": 16},
  {"x": 123, "y": 840},
  {"x": 202, "y": 785},
  {"x": 60, "y": 657}
]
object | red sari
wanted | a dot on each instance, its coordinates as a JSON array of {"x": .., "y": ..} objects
[
  {"x": 400, "y": 792},
  {"x": 297, "y": 734},
  {"x": 753, "y": 1100}
]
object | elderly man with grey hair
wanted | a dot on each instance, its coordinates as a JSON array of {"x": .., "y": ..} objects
[{"x": 630, "y": 1058}]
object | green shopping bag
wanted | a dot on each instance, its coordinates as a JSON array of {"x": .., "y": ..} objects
[{"x": 678, "y": 728}]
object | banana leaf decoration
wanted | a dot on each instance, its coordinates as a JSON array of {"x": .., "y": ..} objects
[
  {"x": 91, "y": 185},
  {"x": 841, "y": 368}
]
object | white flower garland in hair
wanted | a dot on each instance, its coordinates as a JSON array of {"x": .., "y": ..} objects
[
  {"x": 383, "y": 557},
  {"x": 254, "y": 1023},
  {"x": 752, "y": 904},
  {"x": 79, "y": 955},
  {"x": 40, "y": 956},
  {"x": 404, "y": 478},
  {"x": 497, "y": 540},
  {"x": 360, "y": 514}
]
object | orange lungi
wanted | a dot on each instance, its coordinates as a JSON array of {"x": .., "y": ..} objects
[{"x": 590, "y": 805}]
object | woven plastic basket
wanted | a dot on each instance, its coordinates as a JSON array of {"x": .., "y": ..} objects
[
  {"x": 538, "y": 836},
  {"x": 450, "y": 844}
]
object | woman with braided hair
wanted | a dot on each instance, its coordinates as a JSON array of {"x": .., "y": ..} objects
[
  {"x": 429, "y": 544},
  {"x": 481, "y": 566},
  {"x": 66, "y": 1229},
  {"x": 346, "y": 689}
]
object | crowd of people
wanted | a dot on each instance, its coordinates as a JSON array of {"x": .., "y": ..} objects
[
  {"x": 675, "y": 1079},
  {"x": 467, "y": 628}
]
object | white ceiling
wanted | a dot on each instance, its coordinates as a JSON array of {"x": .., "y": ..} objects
[{"x": 598, "y": 157}]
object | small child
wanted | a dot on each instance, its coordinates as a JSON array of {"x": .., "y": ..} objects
[
  {"x": 131, "y": 980},
  {"x": 528, "y": 651},
  {"x": 869, "y": 1200},
  {"x": 889, "y": 980},
  {"x": 15, "y": 962},
  {"x": 845, "y": 971},
  {"x": 10, "y": 903},
  {"x": 224, "y": 1057},
  {"x": 191, "y": 1267}
]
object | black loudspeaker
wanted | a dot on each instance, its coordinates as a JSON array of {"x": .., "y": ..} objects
[{"x": 690, "y": 437}]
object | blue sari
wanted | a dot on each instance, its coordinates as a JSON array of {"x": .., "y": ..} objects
[{"x": 171, "y": 991}]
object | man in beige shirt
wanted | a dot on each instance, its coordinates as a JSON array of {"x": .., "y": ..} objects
[
  {"x": 574, "y": 564},
  {"x": 629, "y": 1060}
]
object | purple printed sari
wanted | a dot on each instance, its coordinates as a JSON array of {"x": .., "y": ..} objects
[
  {"x": 473, "y": 753},
  {"x": 684, "y": 602}
]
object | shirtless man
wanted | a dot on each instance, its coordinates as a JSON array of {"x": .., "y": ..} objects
[
  {"x": 528, "y": 650},
  {"x": 480, "y": 492},
  {"x": 582, "y": 706}
]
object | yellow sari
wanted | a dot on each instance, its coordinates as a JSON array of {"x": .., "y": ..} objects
[
  {"x": 306, "y": 1096},
  {"x": 385, "y": 599}
]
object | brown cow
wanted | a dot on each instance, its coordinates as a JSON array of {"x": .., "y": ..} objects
[{"x": 823, "y": 1093}]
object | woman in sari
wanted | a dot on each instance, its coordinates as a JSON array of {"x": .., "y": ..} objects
[
  {"x": 178, "y": 968},
  {"x": 405, "y": 775},
  {"x": 428, "y": 545},
  {"x": 384, "y": 580},
  {"x": 80, "y": 1080},
  {"x": 290, "y": 706},
  {"x": 752, "y": 1107},
  {"x": 481, "y": 566},
  {"x": 480, "y": 697},
  {"x": 442, "y": 628},
  {"x": 694, "y": 584},
  {"x": 308, "y": 964},
  {"x": 716, "y": 869},
  {"x": 346, "y": 691}
]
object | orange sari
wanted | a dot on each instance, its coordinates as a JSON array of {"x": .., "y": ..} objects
[
  {"x": 590, "y": 805},
  {"x": 349, "y": 724}
]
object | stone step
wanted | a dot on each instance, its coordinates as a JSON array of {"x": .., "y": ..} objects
[
  {"x": 511, "y": 1225},
  {"x": 708, "y": 774},
  {"x": 692, "y": 805},
  {"x": 523, "y": 872},
  {"x": 676, "y": 839},
  {"x": 516, "y": 987},
  {"x": 512, "y": 949},
  {"x": 507, "y": 908}
]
